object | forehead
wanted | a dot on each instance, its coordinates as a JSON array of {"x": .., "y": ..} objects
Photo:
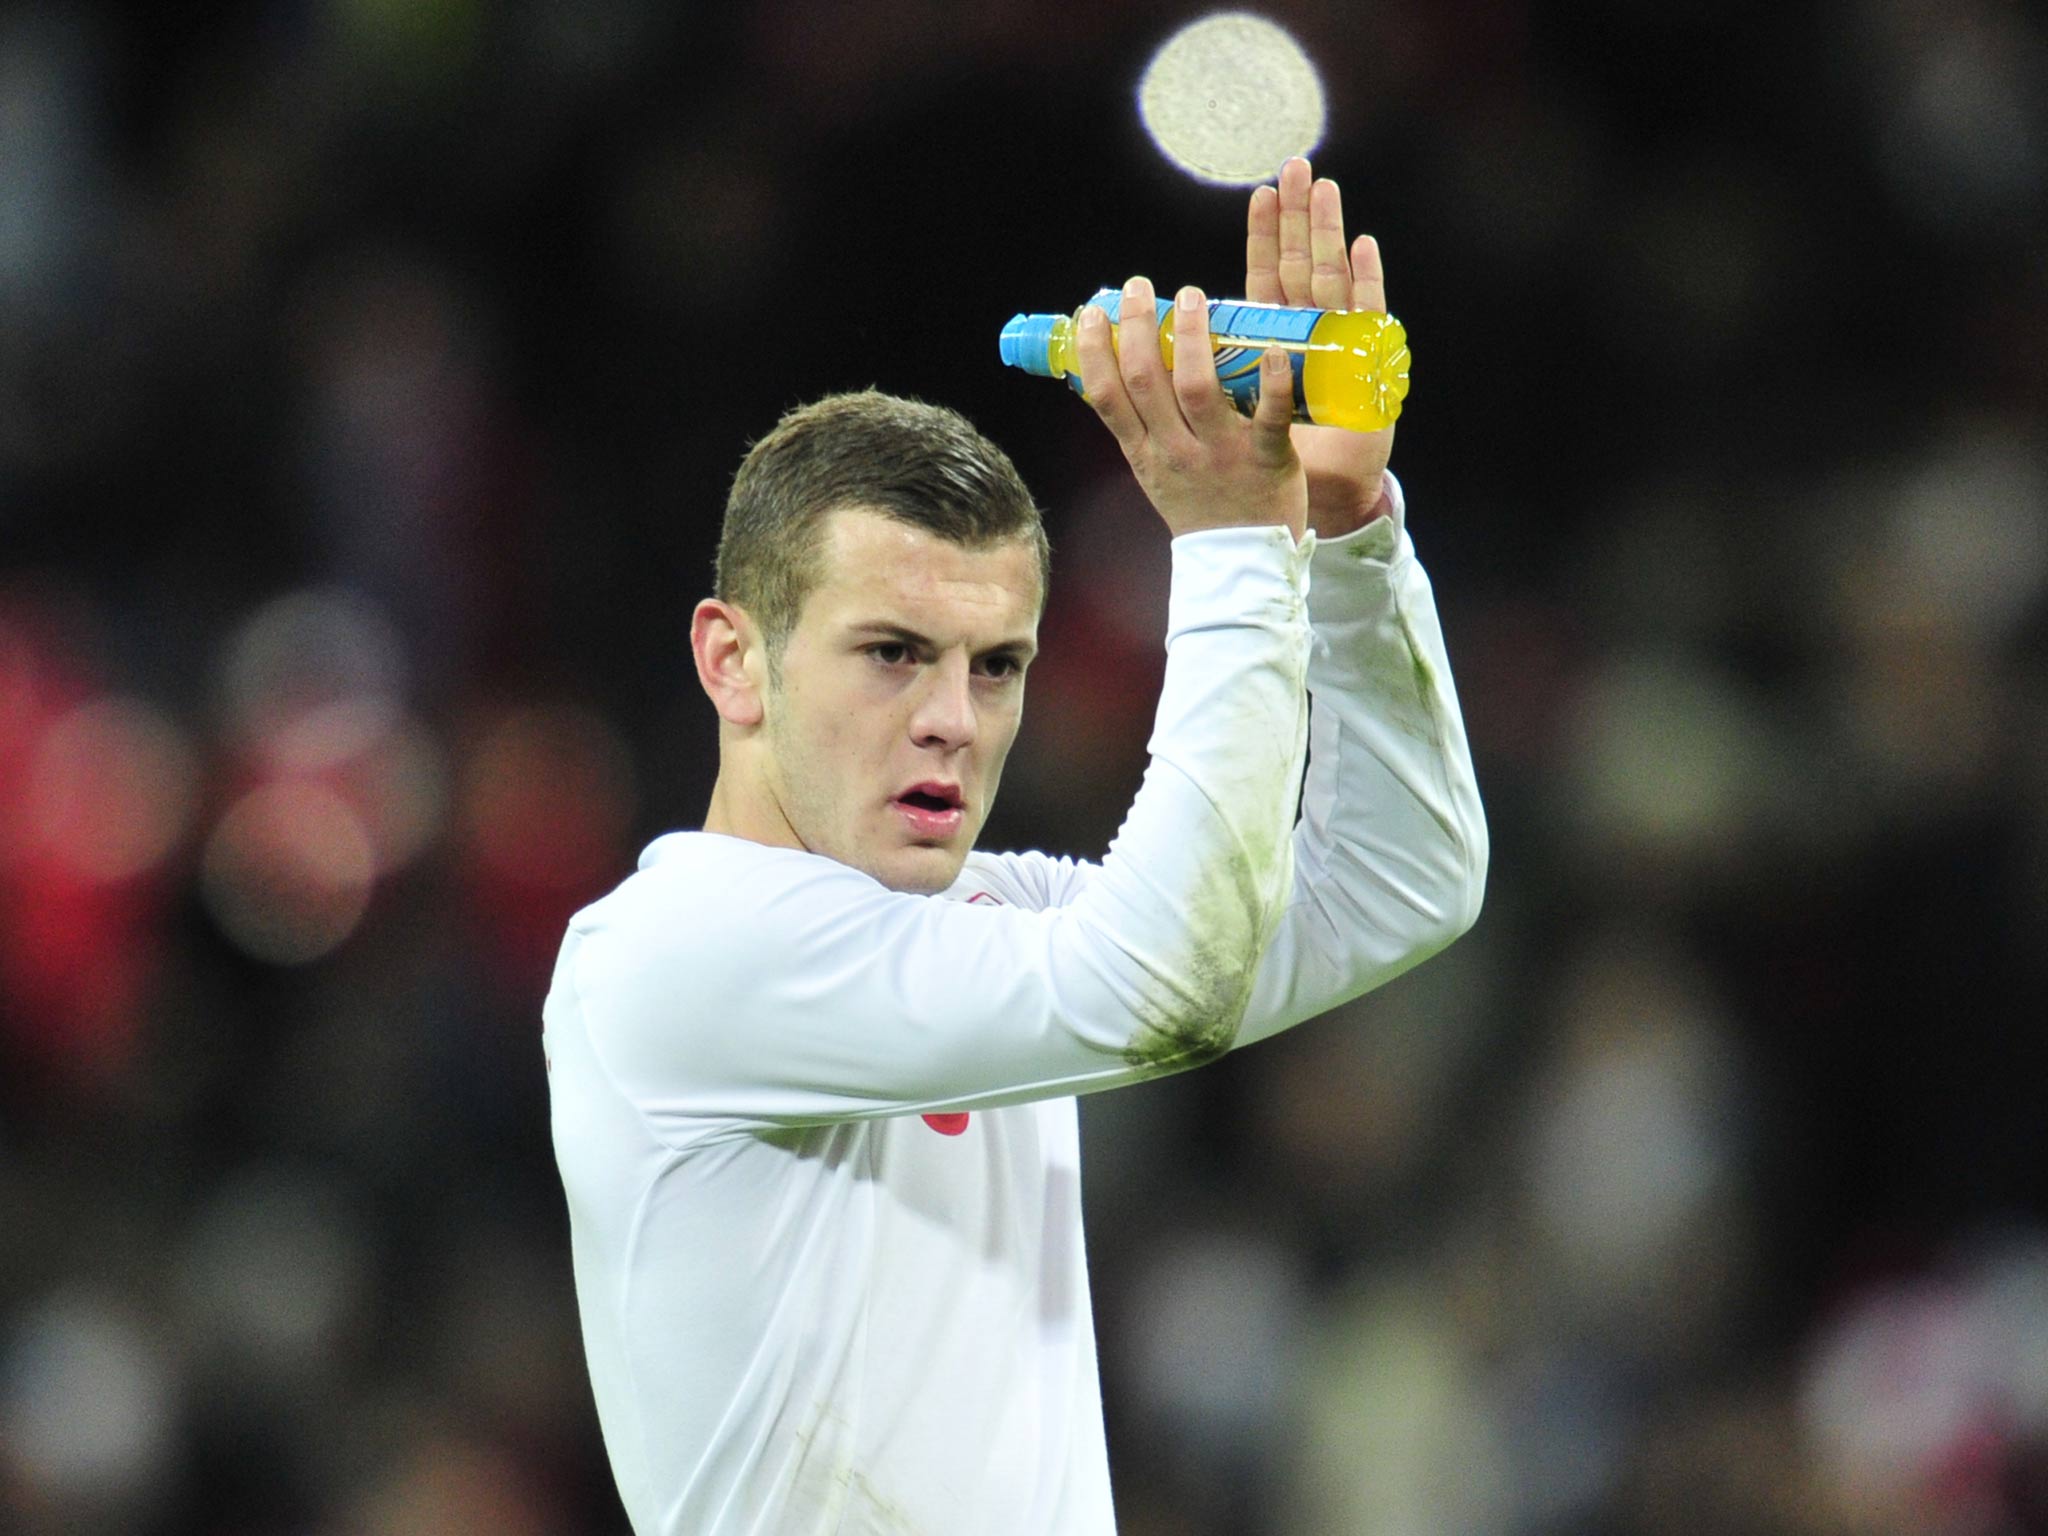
[{"x": 873, "y": 567}]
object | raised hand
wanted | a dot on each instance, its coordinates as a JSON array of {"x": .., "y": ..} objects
[{"x": 1295, "y": 254}]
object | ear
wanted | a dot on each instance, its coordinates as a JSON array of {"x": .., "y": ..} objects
[{"x": 730, "y": 660}]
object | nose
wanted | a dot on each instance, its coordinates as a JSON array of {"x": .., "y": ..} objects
[{"x": 944, "y": 717}]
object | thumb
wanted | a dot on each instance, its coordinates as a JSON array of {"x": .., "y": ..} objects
[{"x": 1274, "y": 413}]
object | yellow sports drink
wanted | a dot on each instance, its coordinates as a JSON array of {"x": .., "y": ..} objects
[{"x": 1350, "y": 366}]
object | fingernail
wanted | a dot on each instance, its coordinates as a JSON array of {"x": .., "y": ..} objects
[
  {"x": 1094, "y": 317},
  {"x": 1275, "y": 359},
  {"x": 1189, "y": 298},
  {"x": 1135, "y": 286}
]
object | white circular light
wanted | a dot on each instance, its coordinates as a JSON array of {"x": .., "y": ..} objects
[
  {"x": 1230, "y": 97},
  {"x": 327, "y": 661}
]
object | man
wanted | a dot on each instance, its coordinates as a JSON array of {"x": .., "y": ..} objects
[{"x": 814, "y": 1067}]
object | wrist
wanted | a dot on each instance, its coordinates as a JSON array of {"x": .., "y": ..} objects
[{"x": 1334, "y": 520}]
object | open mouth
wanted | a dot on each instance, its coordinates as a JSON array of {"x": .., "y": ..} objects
[{"x": 931, "y": 810}]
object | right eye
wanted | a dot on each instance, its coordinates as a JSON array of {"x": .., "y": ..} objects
[{"x": 890, "y": 653}]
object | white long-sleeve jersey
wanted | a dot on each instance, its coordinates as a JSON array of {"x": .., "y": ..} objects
[{"x": 809, "y": 1309}]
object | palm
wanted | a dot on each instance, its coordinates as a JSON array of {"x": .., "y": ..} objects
[{"x": 1295, "y": 253}]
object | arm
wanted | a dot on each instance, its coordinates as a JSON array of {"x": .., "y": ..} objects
[{"x": 1390, "y": 854}]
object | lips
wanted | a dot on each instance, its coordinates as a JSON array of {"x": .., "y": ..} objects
[
  {"x": 932, "y": 795},
  {"x": 931, "y": 810}
]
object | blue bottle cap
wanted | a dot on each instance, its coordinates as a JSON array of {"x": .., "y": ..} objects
[{"x": 1027, "y": 343}]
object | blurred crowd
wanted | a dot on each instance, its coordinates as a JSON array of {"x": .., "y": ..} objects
[{"x": 370, "y": 378}]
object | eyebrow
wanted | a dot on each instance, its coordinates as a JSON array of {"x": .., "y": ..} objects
[{"x": 884, "y": 629}]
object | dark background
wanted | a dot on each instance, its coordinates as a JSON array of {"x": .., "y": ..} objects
[{"x": 370, "y": 378}]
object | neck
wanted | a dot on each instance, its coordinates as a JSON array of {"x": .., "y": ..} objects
[{"x": 743, "y": 808}]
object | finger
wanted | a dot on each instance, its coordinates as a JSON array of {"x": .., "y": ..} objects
[
  {"x": 1139, "y": 361},
  {"x": 1262, "y": 248},
  {"x": 1368, "y": 276},
  {"x": 1330, "y": 275},
  {"x": 1274, "y": 413},
  {"x": 1297, "y": 264},
  {"x": 1101, "y": 382},
  {"x": 1194, "y": 364}
]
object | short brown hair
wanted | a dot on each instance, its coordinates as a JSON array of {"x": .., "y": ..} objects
[{"x": 921, "y": 464}]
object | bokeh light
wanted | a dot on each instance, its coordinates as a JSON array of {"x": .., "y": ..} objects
[
  {"x": 271, "y": 1276},
  {"x": 1230, "y": 97},
  {"x": 317, "y": 672},
  {"x": 87, "y": 1416},
  {"x": 547, "y": 792},
  {"x": 544, "y": 795},
  {"x": 287, "y": 872},
  {"x": 111, "y": 788}
]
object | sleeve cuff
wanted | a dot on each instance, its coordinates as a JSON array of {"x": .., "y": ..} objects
[
  {"x": 1351, "y": 570},
  {"x": 1382, "y": 538},
  {"x": 1238, "y": 576}
]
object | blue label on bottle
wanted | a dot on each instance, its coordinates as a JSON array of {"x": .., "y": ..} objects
[
  {"x": 1265, "y": 322},
  {"x": 1244, "y": 330}
]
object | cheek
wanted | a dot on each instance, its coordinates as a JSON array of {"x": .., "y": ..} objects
[
  {"x": 999, "y": 734},
  {"x": 828, "y": 748}
]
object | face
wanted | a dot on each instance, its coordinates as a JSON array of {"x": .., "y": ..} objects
[{"x": 900, "y": 692}]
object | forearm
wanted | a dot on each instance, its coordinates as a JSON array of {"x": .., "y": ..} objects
[
  {"x": 1202, "y": 868},
  {"x": 1391, "y": 848}
]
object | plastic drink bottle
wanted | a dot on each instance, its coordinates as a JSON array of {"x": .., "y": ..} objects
[{"x": 1350, "y": 366}]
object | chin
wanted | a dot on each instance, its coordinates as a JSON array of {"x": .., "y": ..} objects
[{"x": 918, "y": 871}]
